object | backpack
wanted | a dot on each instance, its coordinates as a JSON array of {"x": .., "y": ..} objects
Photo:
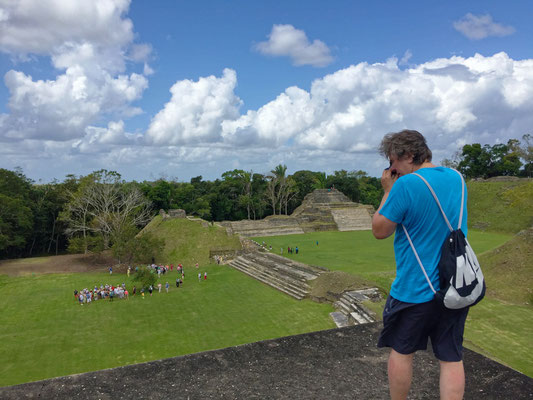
[{"x": 461, "y": 279}]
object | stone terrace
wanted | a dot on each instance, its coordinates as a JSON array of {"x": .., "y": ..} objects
[
  {"x": 341, "y": 363},
  {"x": 350, "y": 305},
  {"x": 285, "y": 275},
  {"x": 331, "y": 207},
  {"x": 270, "y": 226},
  {"x": 321, "y": 210}
]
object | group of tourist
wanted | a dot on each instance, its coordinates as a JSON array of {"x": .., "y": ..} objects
[
  {"x": 110, "y": 292},
  {"x": 158, "y": 269},
  {"x": 86, "y": 296},
  {"x": 290, "y": 250}
]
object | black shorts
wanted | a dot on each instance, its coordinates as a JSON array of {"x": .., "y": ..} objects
[{"x": 407, "y": 327}]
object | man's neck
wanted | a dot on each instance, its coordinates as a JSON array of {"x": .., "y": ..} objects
[{"x": 425, "y": 164}]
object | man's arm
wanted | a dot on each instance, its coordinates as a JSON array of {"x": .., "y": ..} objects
[{"x": 383, "y": 227}]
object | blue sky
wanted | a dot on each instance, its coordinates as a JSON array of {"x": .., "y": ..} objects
[{"x": 178, "y": 89}]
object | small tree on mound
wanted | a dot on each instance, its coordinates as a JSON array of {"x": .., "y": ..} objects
[
  {"x": 145, "y": 277},
  {"x": 131, "y": 247}
]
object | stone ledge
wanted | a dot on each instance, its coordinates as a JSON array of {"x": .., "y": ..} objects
[{"x": 341, "y": 363}]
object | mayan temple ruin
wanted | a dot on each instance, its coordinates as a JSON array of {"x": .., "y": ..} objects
[{"x": 321, "y": 210}]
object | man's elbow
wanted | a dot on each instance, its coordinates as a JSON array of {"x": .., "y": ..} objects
[
  {"x": 381, "y": 227},
  {"x": 378, "y": 234}
]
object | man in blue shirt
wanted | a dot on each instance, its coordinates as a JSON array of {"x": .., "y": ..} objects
[{"x": 411, "y": 316}]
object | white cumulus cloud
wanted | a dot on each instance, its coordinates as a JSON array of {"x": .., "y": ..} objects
[
  {"x": 286, "y": 40},
  {"x": 478, "y": 27},
  {"x": 87, "y": 41},
  {"x": 449, "y": 100},
  {"x": 196, "y": 110},
  {"x": 39, "y": 26}
]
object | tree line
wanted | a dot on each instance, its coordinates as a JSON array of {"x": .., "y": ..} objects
[
  {"x": 101, "y": 211},
  {"x": 515, "y": 158}
]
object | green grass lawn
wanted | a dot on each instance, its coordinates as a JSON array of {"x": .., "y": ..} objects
[
  {"x": 44, "y": 333},
  {"x": 359, "y": 253},
  {"x": 502, "y": 331},
  {"x": 496, "y": 327},
  {"x": 505, "y": 206}
]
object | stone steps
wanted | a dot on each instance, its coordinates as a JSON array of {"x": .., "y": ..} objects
[
  {"x": 351, "y": 219},
  {"x": 266, "y": 281},
  {"x": 263, "y": 277},
  {"x": 358, "y": 312},
  {"x": 340, "y": 319},
  {"x": 349, "y": 304},
  {"x": 284, "y": 266},
  {"x": 257, "y": 276},
  {"x": 312, "y": 269},
  {"x": 275, "y": 276},
  {"x": 266, "y": 227}
]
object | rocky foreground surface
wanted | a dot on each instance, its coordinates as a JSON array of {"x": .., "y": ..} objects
[{"x": 341, "y": 363}]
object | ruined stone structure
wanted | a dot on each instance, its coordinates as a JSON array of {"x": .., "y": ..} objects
[
  {"x": 287, "y": 276},
  {"x": 176, "y": 213},
  {"x": 321, "y": 210}
]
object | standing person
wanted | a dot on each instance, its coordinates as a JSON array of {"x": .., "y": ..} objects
[
  {"x": 159, "y": 287},
  {"x": 199, "y": 276},
  {"x": 205, "y": 276},
  {"x": 411, "y": 315},
  {"x": 129, "y": 270},
  {"x": 166, "y": 286},
  {"x": 110, "y": 270},
  {"x": 150, "y": 289}
]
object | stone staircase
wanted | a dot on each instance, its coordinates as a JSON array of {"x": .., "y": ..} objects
[
  {"x": 354, "y": 312},
  {"x": 270, "y": 226},
  {"x": 287, "y": 276},
  {"x": 352, "y": 218}
]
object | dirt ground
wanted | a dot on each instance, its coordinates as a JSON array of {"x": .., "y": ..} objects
[{"x": 58, "y": 264}]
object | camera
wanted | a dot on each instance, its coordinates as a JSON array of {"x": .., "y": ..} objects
[{"x": 393, "y": 172}]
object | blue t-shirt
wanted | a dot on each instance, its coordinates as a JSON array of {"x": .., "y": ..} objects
[{"x": 411, "y": 204}]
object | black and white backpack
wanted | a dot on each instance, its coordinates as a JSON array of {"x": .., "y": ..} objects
[{"x": 461, "y": 280}]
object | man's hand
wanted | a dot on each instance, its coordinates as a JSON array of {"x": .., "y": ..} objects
[
  {"x": 383, "y": 227},
  {"x": 388, "y": 177}
]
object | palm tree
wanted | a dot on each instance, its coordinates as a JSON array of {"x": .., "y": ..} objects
[{"x": 320, "y": 180}]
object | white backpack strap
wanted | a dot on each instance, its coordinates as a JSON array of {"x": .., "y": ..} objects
[
  {"x": 418, "y": 259},
  {"x": 438, "y": 202},
  {"x": 462, "y": 199}
]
